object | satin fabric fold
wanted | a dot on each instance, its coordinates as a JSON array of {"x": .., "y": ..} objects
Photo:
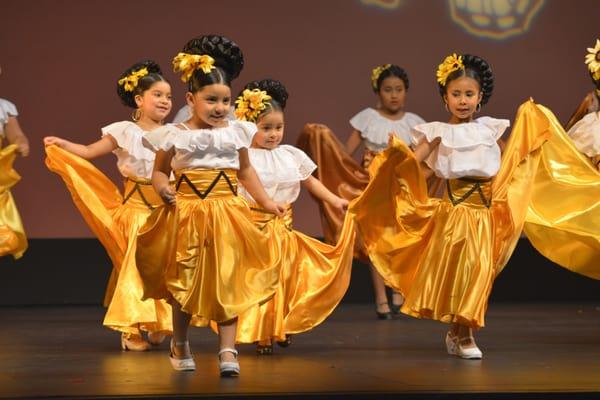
[
  {"x": 206, "y": 252},
  {"x": 94, "y": 195},
  {"x": 12, "y": 234},
  {"x": 339, "y": 172},
  {"x": 116, "y": 223},
  {"x": 342, "y": 175},
  {"x": 313, "y": 280},
  {"x": 444, "y": 257},
  {"x": 563, "y": 219}
]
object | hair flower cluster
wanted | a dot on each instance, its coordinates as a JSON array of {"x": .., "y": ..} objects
[
  {"x": 449, "y": 65},
  {"x": 188, "y": 63},
  {"x": 592, "y": 59},
  {"x": 376, "y": 73},
  {"x": 250, "y": 104},
  {"x": 130, "y": 82}
]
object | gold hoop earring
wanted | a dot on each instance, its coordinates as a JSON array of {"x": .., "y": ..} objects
[
  {"x": 478, "y": 108},
  {"x": 136, "y": 115}
]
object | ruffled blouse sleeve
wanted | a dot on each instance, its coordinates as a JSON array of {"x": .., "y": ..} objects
[
  {"x": 361, "y": 121},
  {"x": 121, "y": 132},
  {"x": 245, "y": 133},
  {"x": 162, "y": 138},
  {"x": 306, "y": 166},
  {"x": 585, "y": 134},
  {"x": 7, "y": 109}
]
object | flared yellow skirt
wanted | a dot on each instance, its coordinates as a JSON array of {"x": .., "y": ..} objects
[
  {"x": 443, "y": 254},
  {"x": 563, "y": 219},
  {"x": 12, "y": 235},
  {"x": 116, "y": 220},
  {"x": 206, "y": 252},
  {"x": 314, "y": 277}
]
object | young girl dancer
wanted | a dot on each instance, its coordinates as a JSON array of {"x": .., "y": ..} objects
[
  {"x": 443, "y": 254},
  {"x": 342, "y": 175},
  {"x": 567, "y": 229},
  {"x": 314, "y": 276},
  {"x": 12, "y": 235},
  {"x": 585, "y": 133},
  {"x": 114, "y": 217},
  {"x": 222, "y": 264}
]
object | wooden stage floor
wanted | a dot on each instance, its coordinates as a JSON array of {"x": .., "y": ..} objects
[{"x": 541, "y": 350}]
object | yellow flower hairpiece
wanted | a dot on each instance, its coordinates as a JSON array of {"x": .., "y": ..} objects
[
  {"x": 130, "y": 82},
  {"x": 449, "y": 65},
  {"x": 250, "y": 104},
  {"x": 188, "y": 63},
  {"x": 592, "y": 59},
  {"x": 376, "y": 72}
]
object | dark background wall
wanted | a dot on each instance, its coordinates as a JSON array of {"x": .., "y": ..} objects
[{"x": 60, "y": 61}]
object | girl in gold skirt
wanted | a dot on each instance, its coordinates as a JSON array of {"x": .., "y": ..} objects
[
  {"x": 205, "y": 253},
  {"x": 116, "y": 218},
  {"x": 585, "y": 132},
  {"x": 314, "y": 276},
  {"x": 567, "y": 229},
  {"x": 443, "y": 254},
  {"x": 341, "y": 174},
  {"x": 12, "y": 235}
]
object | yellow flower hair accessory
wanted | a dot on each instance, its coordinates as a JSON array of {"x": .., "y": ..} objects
[
  {"x": 188, "y": 63},
  {"x": 449, "y": 65},
  {"x": 376, "y": 72},
  {"x": 592, "y": 59},
  {"x": 130, "y": 82},
  {"x": 250, "y": 104}
]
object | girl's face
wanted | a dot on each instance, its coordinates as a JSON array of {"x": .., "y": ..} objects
[
  {"x": 392, "y": 94},
  {"x": 210, "y": 105},
  {"x": 155, "y": 102},
  {"x": 270, "y": 130},
  {"x": 462, "y": 96}
]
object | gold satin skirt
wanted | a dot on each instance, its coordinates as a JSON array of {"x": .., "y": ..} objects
[
  {"x": 313, "y": 279},
  {"x": 12, "y": 235},
  {"x": 116, "y": 220},
  {"x": 563, "y": 219},
  {"x": 206, "y": 252},
  {"x": 443, "y": 254}
]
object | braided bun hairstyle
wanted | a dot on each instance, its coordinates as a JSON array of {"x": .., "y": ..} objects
[
  {"x": 477, "y": 68},
  {"x": 144, "y": 83},
  {"x": 228, "y": 57},
  {"x": 274, "y": 88}
]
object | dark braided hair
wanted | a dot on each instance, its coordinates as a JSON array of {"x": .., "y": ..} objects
[
  {"x": 275, "y": 89},
  {"x": 393, "y": 70},
  {"x": 597, "y": 84},
  {"x": 228, "y": 57},
  {"x": 478, "y": 69},
  {"x": 143, "y": 84}
]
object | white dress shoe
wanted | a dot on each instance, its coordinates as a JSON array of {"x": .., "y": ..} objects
[
  {"x": 181, "y": 364},
  {"x": 229, "y": 368},
  {"x": 454, "y": 347}
]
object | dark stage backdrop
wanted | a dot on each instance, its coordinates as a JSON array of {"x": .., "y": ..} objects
[
  {"x": 60, "y": 61},
  {"x": 75, "y": 271}
]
